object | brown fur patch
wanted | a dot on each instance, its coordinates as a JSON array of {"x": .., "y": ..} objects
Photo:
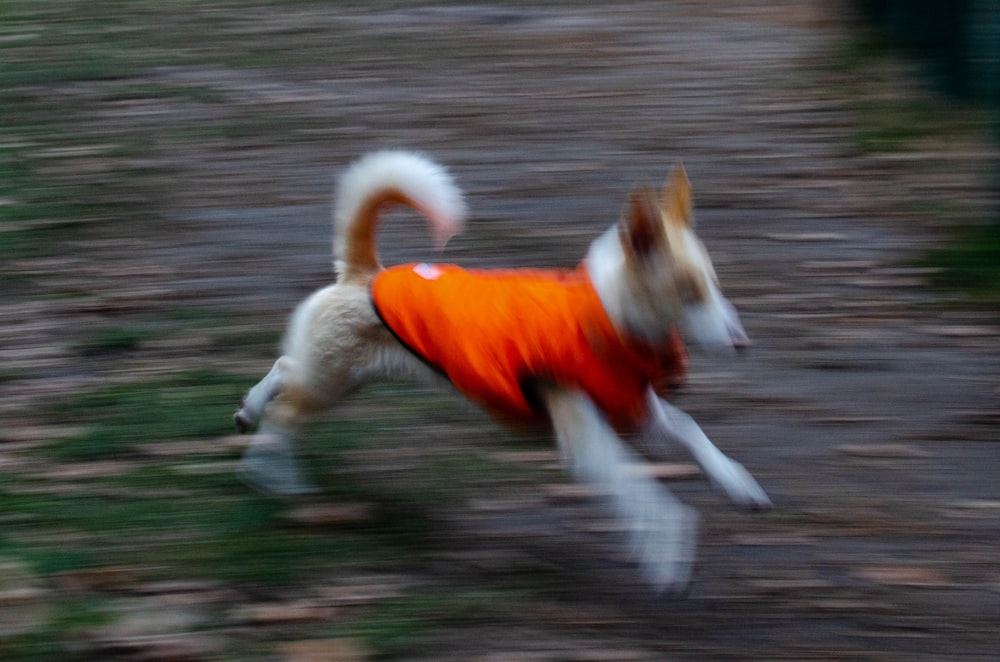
[{"x": 642, "y": 224}]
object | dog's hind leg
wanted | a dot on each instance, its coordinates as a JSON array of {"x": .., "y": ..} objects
[
  {"x": 670, "y": 423},
  {"x": 661, "y": 529},
  {"x": 329, "y": 344},
  {"x": 269, "y": 462},
  {"x": 261, "y": 394}
]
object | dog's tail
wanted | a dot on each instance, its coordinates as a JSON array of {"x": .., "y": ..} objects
[{"x": 381, "y": 179}]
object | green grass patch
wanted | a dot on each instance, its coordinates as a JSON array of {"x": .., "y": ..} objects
[
  {"x": 110, "y": 340},
  {"x": 190, "y": 514},
  {"x": 217, "y": 530},
  {"x": 903, "y": 120},
  {"x": 223, "y": 333},
  {"x": 971, "y": 264},
  {"x": 33, "y": 647},
  {"x": 43, "y": 200},
  {"x": 894, "y": 125},
  {"x": 129, "y": 91},
  {"x": 190, "y": 405},
  {"x": 13, "y": 374},
  {"x": 48, "y": 642},
  {"x": 397, "y": 626},
  {"x": 103, "y": 48},
  {"x": 890, "y": 117}
]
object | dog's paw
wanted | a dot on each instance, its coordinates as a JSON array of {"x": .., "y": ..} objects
[
  {"x": 245, "y": 418},
  {"x": 741, "y": 487},
  {"x": 667, "y": 548},
  {"x": 242, "y": 422},
  {"x": 269, "y": 465}
]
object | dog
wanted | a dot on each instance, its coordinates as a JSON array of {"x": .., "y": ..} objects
[{"x": 589, "y": 351}]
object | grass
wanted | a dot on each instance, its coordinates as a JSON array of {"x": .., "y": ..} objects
[
  {"x": 113, "y": 339},
  {"x": 895, "y": 125},
  {"x": 186, "y": 406},
  {"x": 187, "y": 515},
  {"x": 971, "y": 264},
  {"x": 892, "y": 117},
  {"x": 47, "y": 50},
  {"x": 171, "y": 523},
  {"x": 906, "y": 121},
  {"x": 36, "y": 214},
  {"x": 396, "y": 626},
  {"x": 47, "y": 642}
]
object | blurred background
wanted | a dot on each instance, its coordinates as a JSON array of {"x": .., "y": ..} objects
[{"x": 165, "y": 179}]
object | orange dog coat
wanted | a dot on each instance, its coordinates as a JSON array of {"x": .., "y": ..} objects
[{"x": 498, "y": 334}]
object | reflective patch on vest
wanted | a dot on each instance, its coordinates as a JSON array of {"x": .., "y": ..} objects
[{"x": 428, "y": 271}]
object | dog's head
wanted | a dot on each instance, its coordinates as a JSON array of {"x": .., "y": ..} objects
[{"x": 668, "y": 276}]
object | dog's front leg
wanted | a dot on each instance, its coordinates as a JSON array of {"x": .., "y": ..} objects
[
  {"x": 667, "y": 421},
  {"x": 662, "y": 530}
]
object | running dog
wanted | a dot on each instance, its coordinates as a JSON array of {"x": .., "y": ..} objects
[{"x": 588, "y": 351}]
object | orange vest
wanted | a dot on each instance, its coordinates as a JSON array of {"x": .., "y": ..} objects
[{"x": 498, "y": 334}]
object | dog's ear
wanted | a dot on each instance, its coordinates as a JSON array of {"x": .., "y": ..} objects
[
  {"x": 641, "y": 227},
  {"x": 676, "y": 196}
]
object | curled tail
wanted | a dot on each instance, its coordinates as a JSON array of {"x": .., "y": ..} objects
[{"x": 381, "y": 179}]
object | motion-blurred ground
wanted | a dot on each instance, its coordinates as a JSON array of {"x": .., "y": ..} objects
[{"x": 165, "y": 201}]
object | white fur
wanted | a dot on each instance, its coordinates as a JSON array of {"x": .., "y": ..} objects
[
  {"x": 661, "y": 529},
  {"x": 425, "y": 183},
  {"x": 605, "y": 264},
  {"x": 670, "y": 423},
  {"x": 713, "y": 323},
  {"x": 257, "y": 399}
]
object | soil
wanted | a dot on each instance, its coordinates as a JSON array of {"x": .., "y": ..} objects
[{"x": 867, "y": 406}]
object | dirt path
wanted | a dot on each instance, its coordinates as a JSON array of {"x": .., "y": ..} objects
[{"x": 866, "y": 409}]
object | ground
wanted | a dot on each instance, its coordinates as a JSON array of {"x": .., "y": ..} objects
[{"x": 167, "y": 175}]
